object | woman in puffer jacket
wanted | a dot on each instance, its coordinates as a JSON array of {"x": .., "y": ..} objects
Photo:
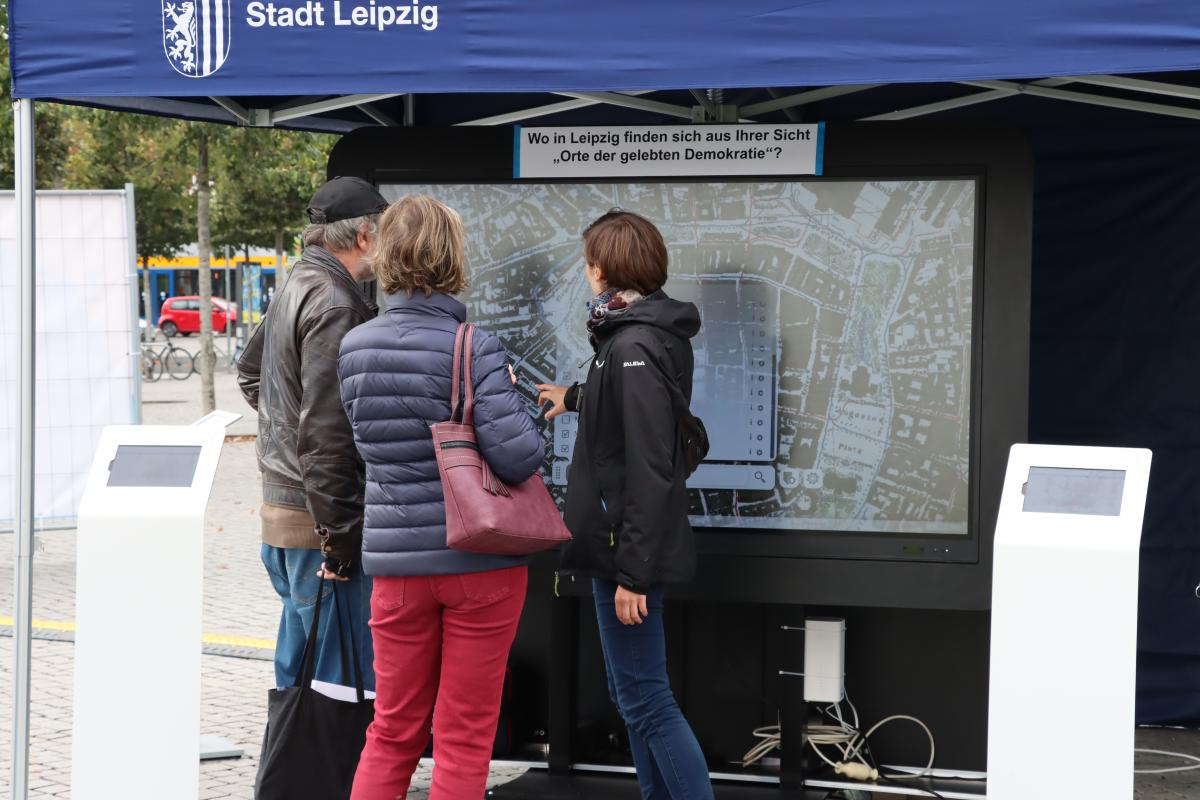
[{"x": 442, "y": 620}]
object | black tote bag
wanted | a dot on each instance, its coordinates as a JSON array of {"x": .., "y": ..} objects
[{"x": 312, "y": 743}]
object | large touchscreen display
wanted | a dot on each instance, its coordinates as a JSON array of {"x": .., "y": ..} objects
[{"x": 833, "y": 370}]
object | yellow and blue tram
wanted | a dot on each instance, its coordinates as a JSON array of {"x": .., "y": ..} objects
[{"x": 248, "y": 282}]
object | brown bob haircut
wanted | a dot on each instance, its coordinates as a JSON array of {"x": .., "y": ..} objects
[
  {"x": 419, "y": 247},
  {"x": 629, "y": 251}
]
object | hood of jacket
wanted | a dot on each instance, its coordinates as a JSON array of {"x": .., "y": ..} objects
[{"x": 674, "y": 316}]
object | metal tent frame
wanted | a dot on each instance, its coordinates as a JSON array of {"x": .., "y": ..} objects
[
  {"x": 314, "y": 113},
  {"x": 398, "y": 109}
]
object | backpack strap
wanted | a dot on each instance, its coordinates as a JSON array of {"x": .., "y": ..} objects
[
  {"x": 679, "y": 403},
  {"x": 692, "y": 432}
]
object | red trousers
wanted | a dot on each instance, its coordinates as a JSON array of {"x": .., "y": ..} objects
[{"x": 441, "y": 648}]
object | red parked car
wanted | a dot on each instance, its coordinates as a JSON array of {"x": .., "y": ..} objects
[{"x": 181, "y": 315}]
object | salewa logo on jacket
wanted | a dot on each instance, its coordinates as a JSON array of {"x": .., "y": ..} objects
[{"x": 634, "y": 364}]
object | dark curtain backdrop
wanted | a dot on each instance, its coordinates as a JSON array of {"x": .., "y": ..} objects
[{"x": 1115, "y": 357}]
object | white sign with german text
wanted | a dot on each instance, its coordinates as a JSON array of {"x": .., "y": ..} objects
[{"x": 620, "y": 151}]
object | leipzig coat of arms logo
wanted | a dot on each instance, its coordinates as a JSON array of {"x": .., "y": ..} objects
[{"x": 196, "y": 35}]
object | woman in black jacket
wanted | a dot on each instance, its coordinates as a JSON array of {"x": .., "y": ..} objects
[{"x": 626, "y": 493}]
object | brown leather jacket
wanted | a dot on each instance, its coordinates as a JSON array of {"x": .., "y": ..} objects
[{"x": 288, "y": 373}]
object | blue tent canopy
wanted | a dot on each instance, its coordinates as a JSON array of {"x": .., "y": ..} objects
[
  {"x": 254, "y": 48},
  {"x": 336, "y": 65}
]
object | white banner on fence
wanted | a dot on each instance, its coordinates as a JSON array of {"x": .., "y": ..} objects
[
  {"x": 637, "y": 151},
  {"x": 86, "y": 375}
]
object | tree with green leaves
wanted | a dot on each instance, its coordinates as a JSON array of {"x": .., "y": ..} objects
[
  {"x": 155, "y": 155},
  {"x": 208, "y": 397},
  {"x": 264, "y": 181},
  {"x": 52, "y": 127}
]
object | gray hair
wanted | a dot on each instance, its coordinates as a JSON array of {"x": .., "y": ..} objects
[{"x": 340, "y": 236}]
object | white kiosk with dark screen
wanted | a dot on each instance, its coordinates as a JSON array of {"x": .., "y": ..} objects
[
  {"x": 139, "y": 600},
  {"x": 1064, "y": 623}
]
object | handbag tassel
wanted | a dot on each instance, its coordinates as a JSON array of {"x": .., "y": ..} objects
[{"x": 491, "y": 483}]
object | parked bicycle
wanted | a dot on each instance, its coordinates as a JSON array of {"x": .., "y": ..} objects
[{"x": 175, "y": 361}]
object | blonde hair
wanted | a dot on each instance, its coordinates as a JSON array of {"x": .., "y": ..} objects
[{"x": 420, "y": 247}]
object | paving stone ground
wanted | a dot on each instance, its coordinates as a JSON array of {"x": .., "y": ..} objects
[
  {"x": 172, "y": 402},
  {"x": 233, "y": 706},
  {"x": 239, "y": 603}
]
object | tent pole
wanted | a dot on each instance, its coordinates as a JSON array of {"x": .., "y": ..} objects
[
  {"x": 803, "y": 98},
  {"x": 1034, "y": 90},
  {"x": 23, "y": 579},
  {"x": 943, "y": 105},
  {"x": 540, "y": 111},
  {"x": 638, "y": 103}
]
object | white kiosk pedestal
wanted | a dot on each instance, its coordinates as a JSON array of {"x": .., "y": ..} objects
[
  {"x": 1064, "y": 623},
  {"x": 139, "y": 600}
]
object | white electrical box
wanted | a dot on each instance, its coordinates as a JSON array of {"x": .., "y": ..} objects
[
  {"x": 1064, "y": 621},
  {"x": 139, "y": 601},
  {"x": 824, "y": 660}
]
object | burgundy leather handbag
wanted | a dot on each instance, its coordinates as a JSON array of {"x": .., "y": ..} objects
[{"x": 483, "y": 515}]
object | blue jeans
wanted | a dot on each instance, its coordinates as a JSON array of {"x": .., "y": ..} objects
[
  {"x": 293, "y": 573},
  {"x": 670, "y": 765}
]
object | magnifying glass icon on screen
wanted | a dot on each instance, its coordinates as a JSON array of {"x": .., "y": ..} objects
[{"x": 758, "y": 476}]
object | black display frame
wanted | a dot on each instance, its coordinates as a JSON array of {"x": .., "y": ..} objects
[{"x": 836, "y": 567}]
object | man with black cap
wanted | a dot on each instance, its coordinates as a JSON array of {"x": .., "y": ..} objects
[{"x": 312, "y": 511}]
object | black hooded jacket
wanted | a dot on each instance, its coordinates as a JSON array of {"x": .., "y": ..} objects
[{"x": 626, "y": 494}]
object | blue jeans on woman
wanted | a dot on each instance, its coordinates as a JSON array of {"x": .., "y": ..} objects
[
  {"x": 293, "y": 573},
  {"x": 670, "y": 765}
]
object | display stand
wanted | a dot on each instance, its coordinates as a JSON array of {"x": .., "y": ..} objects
[
  {"x": 1064, "y": 622},
  {"x": 139, "y": 602}
]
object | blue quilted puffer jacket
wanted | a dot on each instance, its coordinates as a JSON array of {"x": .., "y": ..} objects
[{"x": 395, "y": 378}]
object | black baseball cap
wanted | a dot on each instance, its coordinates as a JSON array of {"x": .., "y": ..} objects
[{"x": 345, "y": 198}]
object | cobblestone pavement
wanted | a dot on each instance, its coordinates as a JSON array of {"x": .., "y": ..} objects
[
  {"x": 233, "y": 706},
  {"x": 1170, "y": 786},
  {"x": 241, "y": 615},
  {"x": 172, "y": 402}
]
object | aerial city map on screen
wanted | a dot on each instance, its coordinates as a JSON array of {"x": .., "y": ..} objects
[{"x": 833, "y": 370}]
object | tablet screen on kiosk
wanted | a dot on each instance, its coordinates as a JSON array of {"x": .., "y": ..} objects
[
  {"x": 156, "y": 466},
  {"x": 1060, "y": 490}
]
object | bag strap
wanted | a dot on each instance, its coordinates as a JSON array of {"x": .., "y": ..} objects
[
  {"x": 349, "y": 627},
  {"x": 456, "y": 372},
  {"x": 308, "y": 661},
  {"x": 683, "y": 408},
  {"x": 490, "y": 482},
  {"x": 679, "y": 403},
  {"x": 468, "y": 417}
]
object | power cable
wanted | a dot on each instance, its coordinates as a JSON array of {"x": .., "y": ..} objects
[{"x": 1185, "y": 768}]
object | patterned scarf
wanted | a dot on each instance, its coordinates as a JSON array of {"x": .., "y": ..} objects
[{"x": 609, "y": 305}]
